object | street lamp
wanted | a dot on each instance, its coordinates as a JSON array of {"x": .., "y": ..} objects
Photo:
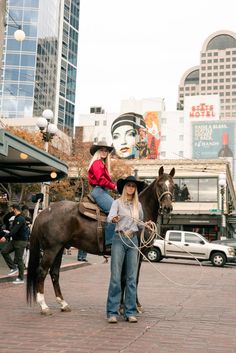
[
  {"x": 48, "y": 131},
  {"x": 222, "y": 185},
  {"x": 19, "y": 34}
]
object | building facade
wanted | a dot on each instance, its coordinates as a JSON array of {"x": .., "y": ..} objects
[
  {"x": 40, "y": 72},
  {"x": 199, "y": 202},
  {"x": 216, "y": 73}
]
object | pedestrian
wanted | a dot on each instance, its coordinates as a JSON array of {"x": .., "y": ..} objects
[
  {"x": 100, "y": 180},
  {"x": 18, "y": 236},
  {"x": 82, "y": 255},
  {"x": 125, "y": 212}
]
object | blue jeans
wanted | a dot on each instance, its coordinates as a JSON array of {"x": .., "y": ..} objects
[
  {"x": 104, "y": 200},
  {"x": 120, "y": 254},
  {"x": 81, "y": 255}
]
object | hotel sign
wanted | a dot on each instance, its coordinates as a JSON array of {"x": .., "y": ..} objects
[{"x": 202, "y": 108}]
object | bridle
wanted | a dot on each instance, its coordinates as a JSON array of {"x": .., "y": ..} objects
[{"x": 167, "y": 192}]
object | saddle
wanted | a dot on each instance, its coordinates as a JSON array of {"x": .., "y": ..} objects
[{"x": 89, "y": 208}]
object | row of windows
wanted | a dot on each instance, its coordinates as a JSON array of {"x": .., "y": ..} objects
[
  {"x": 20, "y": 60},
  {"x": 97, "y": 123},
  {"x": 194, "y": 189},
  {"x": 209, "y": 74},
  {"x": 226, "y": 87},
  {"x": 209, "y": 61},
  {"x": 228, "y": 52},
  {"x": 27, "y": 3}
]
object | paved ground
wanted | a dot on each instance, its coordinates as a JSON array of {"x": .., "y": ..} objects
[{"x": 178, "y": 318}]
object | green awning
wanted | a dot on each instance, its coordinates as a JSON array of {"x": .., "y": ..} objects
[{"x": 37, "y": 167}]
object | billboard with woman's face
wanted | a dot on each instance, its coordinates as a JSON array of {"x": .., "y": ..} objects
[{"x": 135, "y": 136}]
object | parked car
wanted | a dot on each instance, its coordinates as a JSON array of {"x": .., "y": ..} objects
[
  {"x": 229, "y": 242},
  {"x": 189, "y": 245}
]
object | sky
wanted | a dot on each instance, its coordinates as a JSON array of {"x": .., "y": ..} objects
[{"x": 141, "y": 48}]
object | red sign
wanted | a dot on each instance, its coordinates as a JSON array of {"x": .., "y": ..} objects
[{"x": 202, "y": 110}]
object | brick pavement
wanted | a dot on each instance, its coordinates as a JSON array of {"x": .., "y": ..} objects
[{"x": 186, "y": 319}]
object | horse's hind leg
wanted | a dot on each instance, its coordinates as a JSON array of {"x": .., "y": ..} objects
[
  {"x": 46, "y": 262},
  {"x": 54, "y": 273}
]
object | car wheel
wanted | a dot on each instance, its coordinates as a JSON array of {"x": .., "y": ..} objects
[
  {"x": 218, "y": 259},
  {"x": 154, "y": 255}
]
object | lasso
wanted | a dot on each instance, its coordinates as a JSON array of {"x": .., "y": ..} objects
[{"x": 152, "y": 228}]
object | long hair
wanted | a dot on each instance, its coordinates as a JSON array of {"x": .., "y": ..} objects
[
  {"x": 135, "y": 201},
  {"x": 97, "y": 156}
]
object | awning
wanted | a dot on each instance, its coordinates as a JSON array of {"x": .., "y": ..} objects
[{"x": 21, "y": 162}]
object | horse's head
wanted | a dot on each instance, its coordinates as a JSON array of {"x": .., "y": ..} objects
[{"x": 165, "y": 188}]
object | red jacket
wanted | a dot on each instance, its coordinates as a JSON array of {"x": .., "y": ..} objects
[{"x": 98, "y": 175}]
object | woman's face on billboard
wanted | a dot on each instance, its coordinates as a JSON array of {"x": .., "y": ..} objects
[{"x": 124, "y": 141}]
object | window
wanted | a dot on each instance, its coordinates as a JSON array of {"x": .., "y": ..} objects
[
  {"x": 104, "y": 123},
  {"x": 181, "y": 137},
  {"x": 163, "y": 154},
  {"x": 195, "y": 190},
  {"x": 163, "y": 138},
  {"x": 96, "y": 123},
  {"x": 192, "y": 238},
  {"x": 175, "y": 236}
]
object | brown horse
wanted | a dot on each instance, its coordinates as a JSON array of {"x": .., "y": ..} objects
[{"x": 62, "y": 225}]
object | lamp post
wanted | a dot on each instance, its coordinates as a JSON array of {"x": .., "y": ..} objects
[
  {"x": 48, "y": 131},
  {"x": 19, "y": 34},
  {"x": 222, "y": 185}
]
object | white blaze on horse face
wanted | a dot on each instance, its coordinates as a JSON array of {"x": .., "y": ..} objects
[
  {"x": 62, "y": 302},
  {"x": 41, "y": 301},
  {"x": 167, "y": 183}
]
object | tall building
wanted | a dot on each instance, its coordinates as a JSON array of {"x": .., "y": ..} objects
[
  {"x": 40, "y": 72},
  {"x": 216, "y": 73}
]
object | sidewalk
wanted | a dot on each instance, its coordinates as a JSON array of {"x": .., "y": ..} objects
[
  {"x": 68, "y": 262},
  {"x": 184, "y": 312}
]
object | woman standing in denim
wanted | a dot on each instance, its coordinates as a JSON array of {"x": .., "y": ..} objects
[
  {"x": 100, "y": 179},
  {"x": 125, "y": 212}
]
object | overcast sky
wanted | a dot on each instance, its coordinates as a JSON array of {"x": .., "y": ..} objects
[{"x": 141, "y": 48}]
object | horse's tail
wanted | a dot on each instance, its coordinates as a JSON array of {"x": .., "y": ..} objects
[{"x": 33, "y": 265}]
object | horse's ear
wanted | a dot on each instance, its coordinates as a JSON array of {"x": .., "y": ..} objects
[
  {"x": 172, "y": 172},
  {"x": 161, "y": 170}
]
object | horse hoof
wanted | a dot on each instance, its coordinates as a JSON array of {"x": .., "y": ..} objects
[
  {"x": 140, "y": 309},
  {"x": 66, "y": 309},
  {"x": 46, "y": 312}
]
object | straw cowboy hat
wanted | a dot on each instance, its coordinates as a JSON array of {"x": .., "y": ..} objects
[
  {"x": 100, "y": 144},
  {"x": 130, "y": 179}
]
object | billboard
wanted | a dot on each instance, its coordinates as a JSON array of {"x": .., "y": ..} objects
[
  {"x": 213, "y": 139},
  {"x": 136, "y": 136}
]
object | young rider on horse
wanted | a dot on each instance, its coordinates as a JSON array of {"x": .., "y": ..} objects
[
  {"x": 100, "y": 179},
  {"x": 125, "y": 212}
]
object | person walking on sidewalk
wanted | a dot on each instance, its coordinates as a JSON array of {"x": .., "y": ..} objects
[
  {"x": 18, "y": 236},
  {"x": 125, "y": 212},
  {"x": 82, "y": 255}
]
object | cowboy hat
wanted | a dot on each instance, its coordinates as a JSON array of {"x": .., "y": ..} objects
[
  {"x": 130, "y": 179},
  {"x": 100, "y": 144}
]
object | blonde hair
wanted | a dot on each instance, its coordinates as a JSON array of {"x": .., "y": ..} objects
[
  {"x": 97, "y": 156},
  {"x": 135, "y": 201}
]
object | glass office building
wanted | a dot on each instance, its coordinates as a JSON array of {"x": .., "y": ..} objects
[{"x": 40, "y": 72}]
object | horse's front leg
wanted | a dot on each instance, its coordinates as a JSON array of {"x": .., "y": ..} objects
[{"x": 55, "y": 273}]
